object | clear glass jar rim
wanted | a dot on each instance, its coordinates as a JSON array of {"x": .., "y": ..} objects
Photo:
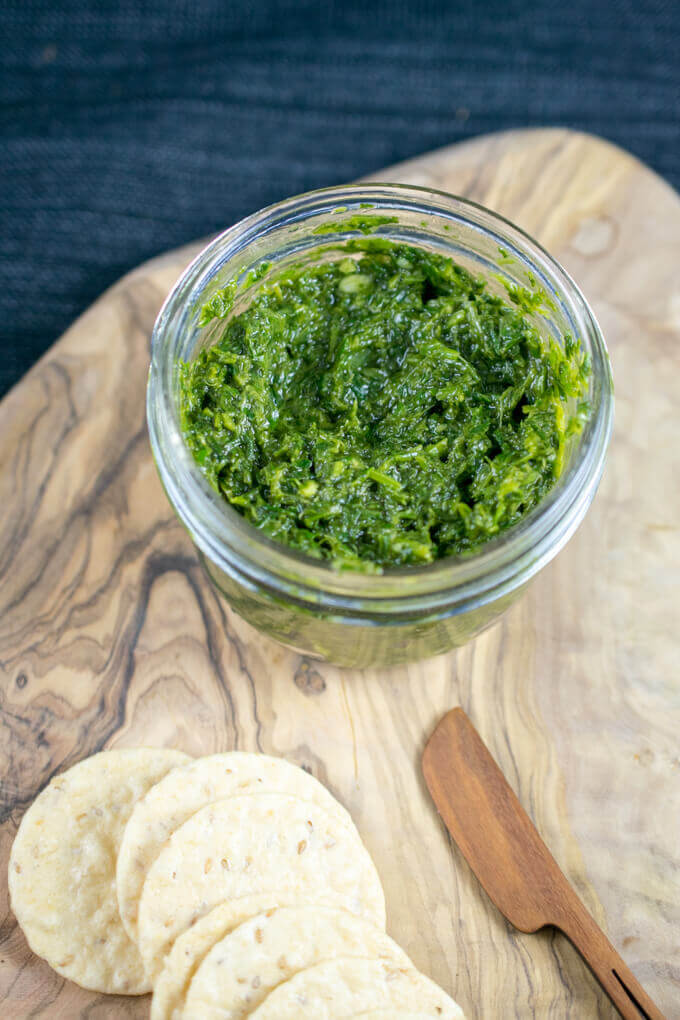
[{"x": 235, "y": 545}]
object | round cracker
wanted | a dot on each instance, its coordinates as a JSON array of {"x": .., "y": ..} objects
[
  {"x": 247, "y": 964},
  {"x": 191, "y": 948},
  {"x": 268, "y": 842},
  {"x": 62, "y": 871},
  {"x": 346, "y": 987},
  {"x": 186, "y": 790}
]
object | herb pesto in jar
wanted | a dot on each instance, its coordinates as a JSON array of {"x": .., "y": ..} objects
[{"x": 381, "y": 409}]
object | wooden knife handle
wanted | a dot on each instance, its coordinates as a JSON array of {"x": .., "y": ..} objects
[{"x": 618, "y": 981}]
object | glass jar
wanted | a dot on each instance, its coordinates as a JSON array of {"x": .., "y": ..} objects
[{"x": 348, "y": 617}]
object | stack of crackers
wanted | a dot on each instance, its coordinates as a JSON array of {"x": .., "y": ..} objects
[{"x": 233, "y": 886}]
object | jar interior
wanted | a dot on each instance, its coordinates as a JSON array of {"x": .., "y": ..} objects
[
  {"x": 493, "y": 256},
  {"x": 313, "y": 227}
]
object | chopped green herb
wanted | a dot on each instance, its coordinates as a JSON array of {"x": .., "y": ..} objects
[
  {"x": 381, "y": 410},
  {"x": 361, "y": 224}
]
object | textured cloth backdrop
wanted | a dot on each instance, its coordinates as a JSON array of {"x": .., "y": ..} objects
[{"x": 132, "y": 126}]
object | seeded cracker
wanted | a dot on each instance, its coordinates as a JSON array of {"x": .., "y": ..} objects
[
  {"x": 266, "y": 843},
  {"x": 347, "y": 987},
  {"x": 63, "y": 866},
  {"x": 193, "y": 786},
  {"x": 192, "y": 947},
  {"x": 246, "y": 965}
]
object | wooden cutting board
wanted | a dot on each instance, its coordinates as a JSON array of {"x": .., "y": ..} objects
[{"x": 110, "y": 635}]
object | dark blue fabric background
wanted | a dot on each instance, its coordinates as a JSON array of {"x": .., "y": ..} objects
[{"x": 131, "y": 126}]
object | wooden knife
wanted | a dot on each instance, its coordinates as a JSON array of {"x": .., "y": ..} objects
[{"x": 513, "y": 864}]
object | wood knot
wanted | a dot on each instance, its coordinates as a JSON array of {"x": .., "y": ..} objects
[
  {"x": 21, "y": 681},
  {"x": 309, "y": 680}
]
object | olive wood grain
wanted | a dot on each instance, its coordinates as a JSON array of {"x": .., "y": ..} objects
[
  {"x": 111, "y": 636},
  {"x": 511, "y": 861}
]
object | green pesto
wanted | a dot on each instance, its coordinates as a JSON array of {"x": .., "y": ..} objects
[
  {"x": 360, "y": 224},
  {"x": 382, "y": 409}
]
